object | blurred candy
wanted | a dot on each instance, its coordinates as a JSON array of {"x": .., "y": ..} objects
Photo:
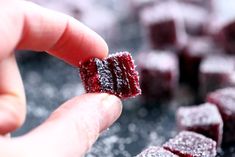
[
  {"x": 190, "y": 59},
  {"x": 156, "y": 152},
  {"x": 195, "y": 19},
  {"x": 164, "y": 25},
  {"x": 190, "y": 144},
  {"x": 224, "y": 99},
  {"x": 158, "y": 75},
  {"x": 204, "y": 119},
  {"x": 216, "y": 72}
]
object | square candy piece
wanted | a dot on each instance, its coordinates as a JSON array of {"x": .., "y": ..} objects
[
  {"x": 224, "y": 99},
  {"x": 204, "y": 119},
  {"x": 191, "y": 58},
  {"x": 115, "y": 75},
  {"x": 216, "y": 72},
  {"x": 164, "y": 29},
  {"x": 191, "y": 144},
  {"x": 156, "y": 152},
  {"x": 158, "y": 75}
]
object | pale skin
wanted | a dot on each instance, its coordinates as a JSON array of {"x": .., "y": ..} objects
[{"x": 71, "y": 130}]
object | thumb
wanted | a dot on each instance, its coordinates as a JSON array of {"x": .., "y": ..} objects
[{"x": 73, "y": 127}]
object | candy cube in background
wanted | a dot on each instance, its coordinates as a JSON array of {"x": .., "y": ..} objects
[
  {"x": 158, "y": 75},
  {"x": 191, "y": 144},
  {"x": 155, "y": 151},
  {"x": 163, "y": 25},
  {"x": 215, "y": 72},
  {"x": 195, "y": 51},
  {"x": 222, "y": 25},
  {"x": 204, "y": 119},
  {"x": 224, "y": 99}
]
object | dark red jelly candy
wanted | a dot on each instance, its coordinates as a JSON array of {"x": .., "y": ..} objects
[
  {"x": 227, "y": 35},
  {"x": 191, "y": 57},
  {"x": 225, "y": 101},
  {"x": 222, "y": 25},
  {"x": 115, "y": 75},
  {"x": 204, "y": 119},
  {"x": 163, "y": 28},
  {"x": 191, "y": 144},
  {"x": 158, "y": 75},
  {"x": 156, "y": 152},
  {"x": 216, "y": 72}
]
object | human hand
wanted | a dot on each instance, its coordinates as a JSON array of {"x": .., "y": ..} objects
[{"x": 72, "y": 128}]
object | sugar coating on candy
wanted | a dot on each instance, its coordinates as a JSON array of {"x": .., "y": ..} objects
[
  {"x": 163, "y": 28},
  {"x": 210, "y": 64},
  {"x": 162, "y": 61},
  {"x": 190, "y": 144},
  {"x": 158, "y": 75},
  {"x": 115, "y": 75},
  {"x": 191, "y": 57},
  {"x": 204, "y": 119},
  {"x": 154, "y": 151},
  {"x": 224, "y": 99},
  {"x": 216, "y": 72}
]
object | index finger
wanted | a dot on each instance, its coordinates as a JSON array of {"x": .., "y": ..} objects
[{"x": 41, "y": 29}]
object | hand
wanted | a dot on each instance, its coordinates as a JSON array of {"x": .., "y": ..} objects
[{"x": 72, "y": 128}]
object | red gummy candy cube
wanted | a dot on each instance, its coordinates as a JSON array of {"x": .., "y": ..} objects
[
  {"x": 216, "y": 72},
  {"x": 164, "y": 29},
  {"x": 191, "y": 57},
  {"x": 191, "y": 144},
  {"x": 224, "y": 99},
  {"x": 158, "y": 75},
  {"x": 154, "y": 151},
  {"x": 204, "y": 119},
  {"x": 115, "y": 75}
]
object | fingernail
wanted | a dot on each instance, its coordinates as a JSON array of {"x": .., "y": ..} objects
[{"x": 111, "y": 110}]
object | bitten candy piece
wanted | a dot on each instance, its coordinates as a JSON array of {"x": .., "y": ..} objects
[
  {"x": 216, "y": 72},
  {"x": 224, "y": 99},
  {"x": 156, "y": 152},
  {"x": 204, "y": 119},
  {"x": 158, "y": 75},
  {"x": 190, "y": 144},
  {"x": 191, "y": 57},
  {"x": 115, "y": 75},
  {"x": 164, "y": 29}
]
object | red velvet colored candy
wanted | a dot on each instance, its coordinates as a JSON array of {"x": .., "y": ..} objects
[
  {"x": 191, "y": 144},
  {"x": 204, "y": 119},
  {"x": 115, "y": 75},
  {"x": 156, "y": 152}
]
